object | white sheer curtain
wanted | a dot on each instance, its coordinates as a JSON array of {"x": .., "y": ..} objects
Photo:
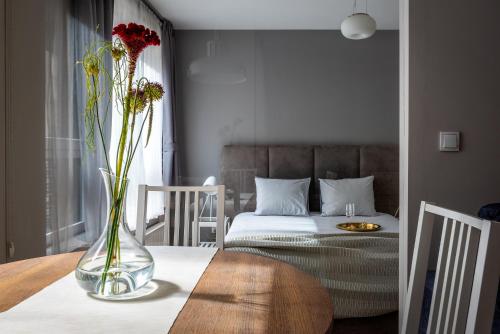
[
  {"x": 62, "y": 139},
  {"x": 147, "y": 165},
  {"x": 75, "y": 202}
]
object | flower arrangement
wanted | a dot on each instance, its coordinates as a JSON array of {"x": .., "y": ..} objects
[{"x": 135, "y": 96}]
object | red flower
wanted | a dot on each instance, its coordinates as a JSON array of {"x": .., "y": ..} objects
[{"x": 136, "y": 38}]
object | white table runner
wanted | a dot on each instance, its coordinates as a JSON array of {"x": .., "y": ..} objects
[{"x": 64, "y": 308}]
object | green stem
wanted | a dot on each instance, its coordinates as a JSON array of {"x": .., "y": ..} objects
[
  {"x": 118, "y": 192},
  {"x": 96, "y": 105},
  {"x": 112, "y": 240},
  {"x": 125, "y": 125},
  {"x": 129, "y": 156},
  {"x": 129, "y": 162}
]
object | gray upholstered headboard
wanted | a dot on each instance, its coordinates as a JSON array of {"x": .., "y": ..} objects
[{"x": 241, "y": 163}]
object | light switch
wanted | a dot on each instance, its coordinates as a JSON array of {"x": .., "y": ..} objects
[{"x": 449, "y": 141}]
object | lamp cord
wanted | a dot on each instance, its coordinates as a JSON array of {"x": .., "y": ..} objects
[{"x": 355, "y": 6}]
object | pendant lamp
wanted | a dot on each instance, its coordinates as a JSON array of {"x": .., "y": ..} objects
[{"x": 359, "y": 25}]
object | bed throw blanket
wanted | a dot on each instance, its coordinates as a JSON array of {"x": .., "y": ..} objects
[{"x": 359, "y": 270}]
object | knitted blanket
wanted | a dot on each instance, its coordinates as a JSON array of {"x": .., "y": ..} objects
[{"x": 359, "y": 270}]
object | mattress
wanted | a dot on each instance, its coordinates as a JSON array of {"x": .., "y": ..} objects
[
  {"x": 360, "y": 270},
  {"x": 248, "y": 223}
]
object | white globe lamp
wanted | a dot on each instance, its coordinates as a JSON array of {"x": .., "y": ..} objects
[{"x": 358, "y": 26}]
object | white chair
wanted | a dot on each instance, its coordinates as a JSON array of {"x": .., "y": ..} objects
[
  {"x": 467, "y": 273},
  {"x": 190, "y": 197}
]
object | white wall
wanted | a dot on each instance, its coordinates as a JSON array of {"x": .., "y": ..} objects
[{"x": 303, "y": 87}]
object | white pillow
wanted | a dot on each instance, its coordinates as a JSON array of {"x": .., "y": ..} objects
[
  {"x": 335, "y": 194},
  {"x": 277, "y": 197}
]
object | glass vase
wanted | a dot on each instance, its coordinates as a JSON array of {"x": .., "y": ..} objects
[{"x": 116, "y": 266}]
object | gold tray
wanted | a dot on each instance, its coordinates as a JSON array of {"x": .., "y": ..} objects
[{"x": 359, "y": 227}]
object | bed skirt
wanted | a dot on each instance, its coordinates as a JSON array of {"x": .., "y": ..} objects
[{"x": 359, "y": 270}]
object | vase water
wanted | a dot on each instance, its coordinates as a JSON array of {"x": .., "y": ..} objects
[{"x": 116, "y": 266}]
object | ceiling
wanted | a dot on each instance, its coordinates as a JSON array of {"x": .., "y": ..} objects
[{"x": 272, "y": 14}]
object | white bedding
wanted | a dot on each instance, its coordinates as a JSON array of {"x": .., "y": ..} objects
[{"x": 247, "y": 223}]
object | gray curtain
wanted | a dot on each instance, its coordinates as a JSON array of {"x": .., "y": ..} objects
[
  {"x": 169, "y": 150},
  {"x": 94, "y": 22}
]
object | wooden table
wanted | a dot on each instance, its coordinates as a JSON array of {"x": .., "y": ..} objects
[{"x": 238, "y": 293}]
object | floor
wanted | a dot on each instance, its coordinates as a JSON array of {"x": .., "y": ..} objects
[{"x": 385, "y": 324}]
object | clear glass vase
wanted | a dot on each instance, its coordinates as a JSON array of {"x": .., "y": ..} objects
[{"x": 116, "y": 266}]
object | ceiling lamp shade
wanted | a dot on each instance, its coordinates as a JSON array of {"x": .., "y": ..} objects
[
  {"x": 215, "y": 68},
  {"x": 358, "y": 26}
]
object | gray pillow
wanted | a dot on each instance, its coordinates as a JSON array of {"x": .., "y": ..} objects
[
  {"x": 335, "y": 194},
  {"x": 329, "y": 175},
  {"x": 277, "y": 197}
]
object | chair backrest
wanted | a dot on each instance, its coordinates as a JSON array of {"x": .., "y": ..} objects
[
  {"x": 467, "y": 273},
  {"x": 190, "y": 198}
]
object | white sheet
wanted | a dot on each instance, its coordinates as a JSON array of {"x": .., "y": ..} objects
[
  {"x": 64, "y": 308},
  {"x": 248, "y": 223}
]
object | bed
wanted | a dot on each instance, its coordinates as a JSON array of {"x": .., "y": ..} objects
[{"x": 359, "y": 269}]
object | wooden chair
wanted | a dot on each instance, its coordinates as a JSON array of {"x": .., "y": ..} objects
[
  {"x": 190, "y": 196},
  {"x": 467, "y": 273}
]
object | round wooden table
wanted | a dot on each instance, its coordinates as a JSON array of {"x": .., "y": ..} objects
[{"x": 237, "y": 293}]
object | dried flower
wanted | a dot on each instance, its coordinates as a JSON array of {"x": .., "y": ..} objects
[
  {"x": 117, "y": 53},
  {"x": 153, "y": 91},
  {"x": 136, "y": 38},
  {"x": 91, "y": 64},
  {"x": 137, "y": 100}
]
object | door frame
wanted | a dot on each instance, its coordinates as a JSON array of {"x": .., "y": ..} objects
[{"x": 404, "y": 104}]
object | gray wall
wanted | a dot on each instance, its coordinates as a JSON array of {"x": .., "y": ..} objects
[
  {"x": 302, "y": 87},
  {"x": 25, "y": 127},
  {"x": 3, "y": 237},
  {"x": 454, "y": 85}
]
